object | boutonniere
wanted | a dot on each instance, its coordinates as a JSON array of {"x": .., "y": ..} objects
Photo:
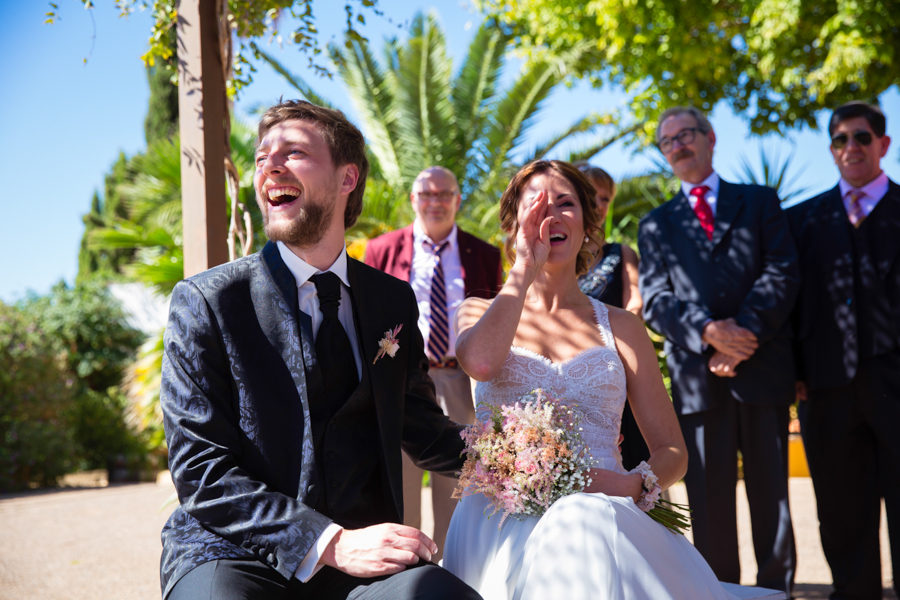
[{"x": 388, "y": 344}]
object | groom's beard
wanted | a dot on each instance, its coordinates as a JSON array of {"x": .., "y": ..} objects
[{"x": 308, "y": 227}]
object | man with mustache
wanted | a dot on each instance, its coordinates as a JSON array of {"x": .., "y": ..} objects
[
  {"x": 292, "y": 378},
  {"x": 444, "y": 265},
  {"x": 719, "y": 276},
  {"x": 847, "y": 323}
]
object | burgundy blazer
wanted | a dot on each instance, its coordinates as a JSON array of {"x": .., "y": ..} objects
[{"x": 482, "y": 269}]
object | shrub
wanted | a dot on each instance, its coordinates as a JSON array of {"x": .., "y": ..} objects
[{"x": 36, "y": 389}]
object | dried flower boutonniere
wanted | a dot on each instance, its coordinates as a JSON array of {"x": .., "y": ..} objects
[{"x": 388, "y": 344}]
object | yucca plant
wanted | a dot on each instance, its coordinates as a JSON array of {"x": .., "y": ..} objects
[{"x": 773, "y": 173}]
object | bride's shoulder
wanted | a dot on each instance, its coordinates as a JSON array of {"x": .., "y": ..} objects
[{"x": 626, "y": 326}]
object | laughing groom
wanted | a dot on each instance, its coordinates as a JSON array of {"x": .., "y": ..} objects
[{"x": 285, "y": 417}]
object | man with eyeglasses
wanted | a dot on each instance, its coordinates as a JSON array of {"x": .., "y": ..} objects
[
  {"x": 444, "y": 265},
  {"x": 719, "y": 276},
  {"x": 847, "y": 322}
]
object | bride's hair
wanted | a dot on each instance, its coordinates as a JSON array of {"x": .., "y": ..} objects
[{"x": 593, "y": 227}]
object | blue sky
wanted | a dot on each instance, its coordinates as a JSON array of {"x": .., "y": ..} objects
[{"x": 63, "y": 123}]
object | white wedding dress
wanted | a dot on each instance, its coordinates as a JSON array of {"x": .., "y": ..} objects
[{"x": 586, "y": 546}]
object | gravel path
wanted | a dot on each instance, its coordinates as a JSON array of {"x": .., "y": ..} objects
[{"x": 84, "y": 544}]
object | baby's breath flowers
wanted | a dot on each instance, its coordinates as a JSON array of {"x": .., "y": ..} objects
[{"x": 525, "y": 457}]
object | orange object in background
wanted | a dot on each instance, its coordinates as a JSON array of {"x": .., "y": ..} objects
[{"x": 797, "y": 466}]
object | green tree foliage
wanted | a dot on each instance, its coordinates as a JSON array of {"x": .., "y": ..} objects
[
  {"x": 417, "y": 111},
  {"x": 776, "y": 61},
  {"x": 35, "y": 391},
  {"x": 161, "y": 122},
  {"x": 85, "y": 330},
  {"x": 246, "y": 20}
]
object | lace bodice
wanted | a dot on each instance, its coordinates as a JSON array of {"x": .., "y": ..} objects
[{"x": 594, "y": 379}]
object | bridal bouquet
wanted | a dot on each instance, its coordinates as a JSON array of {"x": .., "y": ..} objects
[{"x": 525, "y": 457}]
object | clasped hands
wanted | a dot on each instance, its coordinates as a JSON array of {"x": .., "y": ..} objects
[
  {"x": 733, "y": 343},
  {"x": 378, "y": 550}
]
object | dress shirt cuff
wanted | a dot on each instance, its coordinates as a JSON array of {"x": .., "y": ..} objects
[{"x": 310, "y": 565}]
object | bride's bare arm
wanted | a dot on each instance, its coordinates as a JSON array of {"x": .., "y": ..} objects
[
  {"x": 650, "y": 402},
  {"x": 486, "y": 330}
]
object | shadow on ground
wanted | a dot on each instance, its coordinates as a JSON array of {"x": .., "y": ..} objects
[{"x": 820, "y": 591}]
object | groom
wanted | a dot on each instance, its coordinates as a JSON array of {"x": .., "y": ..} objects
[{"x": 284, "y": 420}]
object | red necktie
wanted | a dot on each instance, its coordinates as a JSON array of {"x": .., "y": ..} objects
[{"x": 703, "y": 210}]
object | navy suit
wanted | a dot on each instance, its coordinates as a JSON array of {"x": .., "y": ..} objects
[
  {"x": 747, "y": 271},
  {"x": 847, "y": 322},
  {"x": 239, "y": 374}
]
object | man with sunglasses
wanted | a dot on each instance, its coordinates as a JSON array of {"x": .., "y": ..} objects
[
  {"x": 719, "y": 276},
  {"x": 847, "y": 322},
  {"x": 444, "y": 265}
]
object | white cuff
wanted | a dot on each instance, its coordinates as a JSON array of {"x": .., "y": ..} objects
[{"x": 310, "y": 565}]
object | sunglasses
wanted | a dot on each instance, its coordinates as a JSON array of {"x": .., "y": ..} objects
[{"x": 863, "y": 138}]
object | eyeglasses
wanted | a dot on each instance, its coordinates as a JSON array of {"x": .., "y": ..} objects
[
  {"x": 863, "y": 138},
  {"x": 684, "y": 137},
  {"x": 444, "y": 196}
]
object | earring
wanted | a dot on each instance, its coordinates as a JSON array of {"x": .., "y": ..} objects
[{"x": 586, "y": 239}]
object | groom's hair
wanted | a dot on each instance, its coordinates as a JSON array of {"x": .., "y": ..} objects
[
  {"x": 593, "y": 226},
  {"x": 345, "y": 142}
]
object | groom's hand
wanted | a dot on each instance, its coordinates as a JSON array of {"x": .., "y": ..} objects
[{"x": 378, "y": 550}]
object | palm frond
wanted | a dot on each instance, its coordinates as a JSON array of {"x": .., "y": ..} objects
[
  {"x": 424, "y": 75},
  {"x": 515, "y": 112},
  {"x": 774, "y": 173},
  {"x": 375, "y": 97}
]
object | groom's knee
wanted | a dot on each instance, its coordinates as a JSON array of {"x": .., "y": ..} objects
[{"x": 431, "y": 582}]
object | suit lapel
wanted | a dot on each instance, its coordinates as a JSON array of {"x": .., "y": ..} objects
[
  {"x": 728, "y": 205},
  {"x": 405, "y": 253},
  {"x": 291, "y": 335},
  {"x": 467, "y": 259},
  {"x": 685, "y": 218},
  {"x": 887, "y": 226},
  {"x": 369, "y": 330}
]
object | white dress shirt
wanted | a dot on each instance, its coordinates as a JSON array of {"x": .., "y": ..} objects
[
  {"x": 308, "y": 301},
  {"x": 872, "y": 193},
  {"x": 712, "y": 196},
  {"x": 424, "y": 262}
]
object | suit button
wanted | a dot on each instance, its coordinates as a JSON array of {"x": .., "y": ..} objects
[
  {"x": 311, "y": 489},
  {"x": 270, "y": 559},
  {"x": 851, "y": 337},
  {"x": 263, "y": 551}
]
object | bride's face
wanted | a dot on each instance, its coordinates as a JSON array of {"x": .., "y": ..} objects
[{"x": 564, "y": 209}]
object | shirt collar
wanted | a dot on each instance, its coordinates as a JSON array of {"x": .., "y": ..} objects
[
  {"x": 419, "y": 236},
  {"x": 302, "y": 270},
  {"x": 712, "y": 182},
  {"x": 874, "y": 190}
]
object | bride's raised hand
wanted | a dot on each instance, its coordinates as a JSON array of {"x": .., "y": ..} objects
[{"x": 533, "y": 236}]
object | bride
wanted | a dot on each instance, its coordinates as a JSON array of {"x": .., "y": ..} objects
[{"x": 541, "y": 331}]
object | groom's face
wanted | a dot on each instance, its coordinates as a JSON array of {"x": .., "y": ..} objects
[{"x": 298, "y": 187}]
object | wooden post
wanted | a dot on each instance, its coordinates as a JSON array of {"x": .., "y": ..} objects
[{"x": 202, "y": 111}]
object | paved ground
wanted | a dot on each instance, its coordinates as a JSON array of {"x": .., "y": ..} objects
[{"x": 81, "y": 544}]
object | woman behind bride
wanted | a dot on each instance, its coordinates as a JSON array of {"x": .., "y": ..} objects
[{"x": 541, "y": 331}]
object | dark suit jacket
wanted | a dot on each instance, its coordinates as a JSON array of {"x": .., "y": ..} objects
[
  {"x": 825, "y": 316},
  {"x": 482, "y": 268},
  {"x": 748, "y": 271},
  {"x": 237, "y": 419}
]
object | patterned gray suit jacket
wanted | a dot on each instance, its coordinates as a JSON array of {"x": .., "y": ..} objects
[{"x": 234, "y": 397}]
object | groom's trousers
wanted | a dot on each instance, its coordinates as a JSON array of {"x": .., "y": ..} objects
[
  {"x": 713, "y": 438},
  {"x": 253, "y": 580}
]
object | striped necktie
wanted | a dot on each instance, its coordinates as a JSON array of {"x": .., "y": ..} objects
[
  {"x": 855, "y": 211},
  {"x": 438, "y": 326}
]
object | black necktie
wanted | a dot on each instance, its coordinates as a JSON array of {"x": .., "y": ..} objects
[{"x": 333, "y": 350}]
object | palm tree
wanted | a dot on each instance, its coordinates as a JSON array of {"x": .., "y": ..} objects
[
  {"x": 416, "y": 112},
  {"x": 774, "y": 174}
]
